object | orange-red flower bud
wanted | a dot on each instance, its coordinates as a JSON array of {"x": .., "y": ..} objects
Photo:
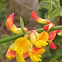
[
  {"x": 39, "y": 20},
  {"x": 49, "y": 26},
  {"x": 34, "y": 15}
]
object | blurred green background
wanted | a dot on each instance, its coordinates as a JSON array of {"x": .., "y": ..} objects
[{"x": 24, "y": 8}]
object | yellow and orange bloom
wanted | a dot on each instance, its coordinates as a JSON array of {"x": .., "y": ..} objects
[
  {"x": 33, "y": 43},
  {"x": 12, "y": 27},
  {"x": 20, "y": 48},
  {"x": 38, "y": 19}
]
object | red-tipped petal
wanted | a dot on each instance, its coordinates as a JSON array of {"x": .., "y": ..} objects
[
  {"x": 11, "y": 53},
  {"x": 49, "y": 26},
  {"x": 58, "y": 31},
  {"x": 34, "y": 16},
  {"x": 52, "y": 46},
  {"x": 36, "y": 48},
  {"x": 52, "y": 35},
  {"x": 11, "y": 16},
  {"x": 46, "y": 27}
]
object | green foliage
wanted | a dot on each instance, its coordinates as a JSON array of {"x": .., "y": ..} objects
[
  {"x": 54, "y": 13},
  {"x": 48, "y": 7}
]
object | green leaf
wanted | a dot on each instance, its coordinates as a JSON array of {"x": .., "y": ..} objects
[
  {"x": 50, "y": 8},
  {"x": 22, "y": 25},
  {"x": 54, "y": 13}
]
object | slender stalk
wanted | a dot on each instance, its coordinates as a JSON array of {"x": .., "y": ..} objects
[
  {"x": 11, "y": 38},
  {"x": 21, "y": 35}
]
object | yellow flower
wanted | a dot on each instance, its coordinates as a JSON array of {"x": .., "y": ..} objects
[
  {"x": 22, "y": 43},
  {"x": 22, "y": 47}
]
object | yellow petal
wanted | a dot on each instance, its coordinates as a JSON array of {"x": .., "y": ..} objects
[
  {"x": 22, "y": 43},
  {"x": 19, "y": 58},
  {"x": 40, "y": 43},
  {"x": 43, "y": 36},
  {"x": 42, "y": 21},
  {"x": 17, "y": 30},
  {"x": 34, "y": 58}
]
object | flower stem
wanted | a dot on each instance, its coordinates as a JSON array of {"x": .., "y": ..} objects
[
  {"x": 21, "y": 35},
  {"x": 11, "y": 38}
]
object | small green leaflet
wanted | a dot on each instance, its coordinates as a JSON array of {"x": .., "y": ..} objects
[
  {"x": 54, "y": 13},
  {"x": 22, "y": 25}
]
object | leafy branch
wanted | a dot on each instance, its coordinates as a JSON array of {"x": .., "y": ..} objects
[{"x": 21, "y": 35}]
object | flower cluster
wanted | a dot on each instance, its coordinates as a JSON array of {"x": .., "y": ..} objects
[{"x": 33, "y": 43}]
